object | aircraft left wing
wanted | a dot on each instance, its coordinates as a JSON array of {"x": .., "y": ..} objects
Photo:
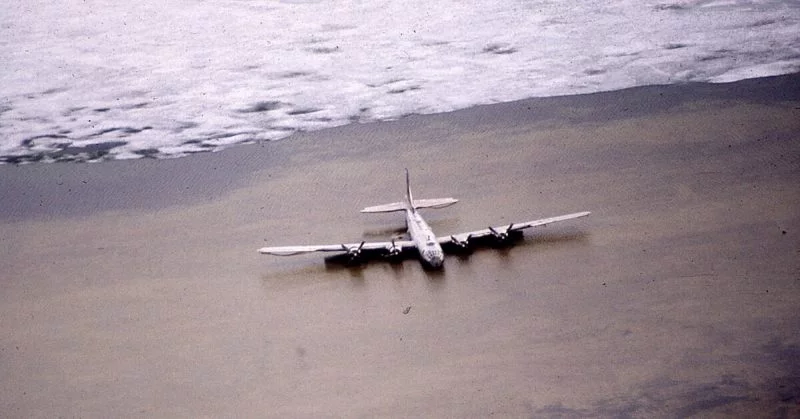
[
  {"x": 509, "y": 228},
  {"x": 345, "y": 247}
]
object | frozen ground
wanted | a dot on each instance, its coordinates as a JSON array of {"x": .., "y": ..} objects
[{"x": 89, "y": 80}]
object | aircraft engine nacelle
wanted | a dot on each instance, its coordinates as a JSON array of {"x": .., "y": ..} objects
[
  {"x": 461, "y": 244},
  {"x": 353, "y": 253},
  {"x": 393, "y": 251},
  {"x": 506, "y": 236}
]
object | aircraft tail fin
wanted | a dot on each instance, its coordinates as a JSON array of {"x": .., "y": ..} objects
[
  {"x": 411, "y": 203},
  {"x": 409, "y": 198}
]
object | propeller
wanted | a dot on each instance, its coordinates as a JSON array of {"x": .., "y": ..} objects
[
  {"x": 353, "y": 252},
  {"x": 502, "y": 236},
  {"x": 394, "y": 251},
  {"x": 463, "y": 244}
]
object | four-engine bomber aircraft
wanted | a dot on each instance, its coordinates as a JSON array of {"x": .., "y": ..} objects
[{"x": 427, "y": 244}]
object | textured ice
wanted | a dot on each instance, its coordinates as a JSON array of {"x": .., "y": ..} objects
[{"x": 108, "y": 79}]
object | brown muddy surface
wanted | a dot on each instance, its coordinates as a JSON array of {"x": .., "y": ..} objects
[{"x": 133, "y": 288}]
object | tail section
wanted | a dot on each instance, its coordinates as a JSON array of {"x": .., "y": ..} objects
[
  {"x": 410, "y": 203},
  {"x": 409, "y": 198}
]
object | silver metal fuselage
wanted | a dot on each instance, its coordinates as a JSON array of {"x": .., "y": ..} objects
[{"x": 430, "y": 251}]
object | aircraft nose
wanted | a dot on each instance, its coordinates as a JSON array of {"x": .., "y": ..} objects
[{"x": 437, "y": 262}]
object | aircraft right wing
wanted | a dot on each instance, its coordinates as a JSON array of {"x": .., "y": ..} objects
[
  {"x": 345, "y": 247},
  {"x": 509, "y": 228}
]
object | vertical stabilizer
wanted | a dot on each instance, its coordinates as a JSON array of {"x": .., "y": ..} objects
[{"x": 409, "y": 198}]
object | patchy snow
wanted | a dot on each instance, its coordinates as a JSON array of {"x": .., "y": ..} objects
[{"x": 88, "y": 80}]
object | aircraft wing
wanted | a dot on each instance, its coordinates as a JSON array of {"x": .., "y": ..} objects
[
  {"x": 345, "y": 247},
  {"x": 508, "y": 228}
]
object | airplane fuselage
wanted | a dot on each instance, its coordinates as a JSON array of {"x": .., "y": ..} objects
[
  {"x": 421, "y": 237},
  {"x": 430, "y": 251}
]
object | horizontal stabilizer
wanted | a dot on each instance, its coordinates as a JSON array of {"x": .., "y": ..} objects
[
  {"x": 394, "y": 206},
  {"x": 418, "y": 203},
  {"x": 434, "y": 203}
]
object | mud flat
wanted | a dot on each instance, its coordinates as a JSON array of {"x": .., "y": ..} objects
[{"x": 132, "y": 288}]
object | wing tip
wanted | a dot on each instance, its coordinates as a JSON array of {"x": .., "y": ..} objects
[{"x": 276, "y": 252}]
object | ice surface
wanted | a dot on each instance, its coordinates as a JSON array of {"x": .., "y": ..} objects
[{"x": 106, "y": 79}]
